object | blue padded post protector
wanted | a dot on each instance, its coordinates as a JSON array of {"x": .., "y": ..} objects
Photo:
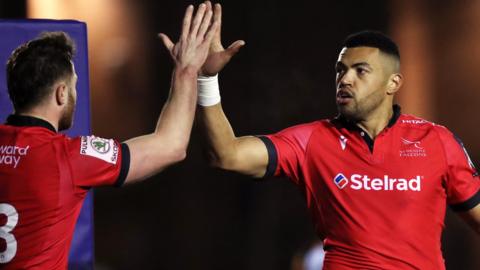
[{"x": 12, "y": 34}]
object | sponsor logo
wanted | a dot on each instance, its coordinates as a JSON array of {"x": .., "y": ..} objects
[
  {"x": 100, "y": 145},
  {"x": 385, "y": 183},
  {"x": 341, "y": 181},
  {"x": 100, "y": 148},
  {"x": 413, "y": 121},
  {"x": 411, "y": 148},
  {"x": 343, "y": 142},
  {"x": 114, "y": 157},
  {"x": 84, "y": 145},
  {"x": 11, "y": 154}
]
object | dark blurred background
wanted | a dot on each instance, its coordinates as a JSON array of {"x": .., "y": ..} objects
[{"x": 194, "y": 217}]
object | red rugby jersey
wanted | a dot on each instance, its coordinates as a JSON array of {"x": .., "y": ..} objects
[
  {"x": 44, "y": 178},
  {"x": 378, "y": 204}
]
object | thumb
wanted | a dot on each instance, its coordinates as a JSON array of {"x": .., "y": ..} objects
[
  {"x": 166, "y": 41},
  {"x": 235, "y": 47}
]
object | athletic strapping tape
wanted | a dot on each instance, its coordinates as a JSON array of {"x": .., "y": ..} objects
[{"x": 208, "y": 90}]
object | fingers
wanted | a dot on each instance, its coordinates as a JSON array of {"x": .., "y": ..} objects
[
  {"x": 211, "y": 32},
  {"x": 198, "y": 19},
  {"x": 218, "y": 14},
  {"x": 166, "y": 41},
  {"x": 216, "y": 45},
  {"x": 209, "y": 5},
  {"x": 186, "y": 22},
  {"x": 235, "y": 47},
  {"x": 205, "y": 23}
]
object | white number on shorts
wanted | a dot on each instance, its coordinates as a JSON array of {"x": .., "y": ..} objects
[{"x": 12, "y": 219}]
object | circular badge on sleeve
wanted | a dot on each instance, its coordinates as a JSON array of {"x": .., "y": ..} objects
[{"x": 100, "y": 145}]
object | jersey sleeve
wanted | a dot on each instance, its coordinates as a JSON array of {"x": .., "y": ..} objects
[
  {"x": 286, "y": 151},
  {"x": 96, "y": 161},
  {"x": 462, "y": 179}
]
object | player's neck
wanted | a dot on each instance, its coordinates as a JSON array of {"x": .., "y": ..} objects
[
  {"x": 41, "y": 113},
  {"x": 377, "y": 121}
]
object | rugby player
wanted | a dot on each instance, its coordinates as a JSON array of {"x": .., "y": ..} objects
[
  {"x": 376, "y": 181},
  {"x": 45, "y": 175}
]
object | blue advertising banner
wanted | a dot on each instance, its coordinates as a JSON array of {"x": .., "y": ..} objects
[{"x": 16, "y": 32}]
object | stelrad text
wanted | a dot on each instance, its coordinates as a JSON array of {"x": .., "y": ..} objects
[{"x": 364, "y": 182}]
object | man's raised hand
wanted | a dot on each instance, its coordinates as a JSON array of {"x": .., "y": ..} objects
[
  {"x": 192, "y": 49},
  {"x": 218, "y": 56}
]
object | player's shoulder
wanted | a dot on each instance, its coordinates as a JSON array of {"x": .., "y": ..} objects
[
  {"x": 299, "y": 133},
  {"x": 413, "y": 122},
  {"x": 94, "y": 146},
  {"x": 5, "y": 129},
  {"x": 305, "y": 128},
  {"x": 33, "y": 135},
  {"x": 91, "y": 143}
]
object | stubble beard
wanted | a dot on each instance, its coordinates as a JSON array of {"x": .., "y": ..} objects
[
  {"x": 67, "y": 118},
  {"x": 349, "y": 111},
  {"x": 358, "y": 110}
]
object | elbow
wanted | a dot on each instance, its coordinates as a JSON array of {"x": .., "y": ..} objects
[
  {"x": 179, "y": 155},
  {"x": 233, "y": 165},
  {"x": 223, "y": 163},
  {"x": 178, "y": 151},
  {"x": 174, "y": 154},
  {"x": 213, "y": 159},
  {"x": 215, "y": 163}
]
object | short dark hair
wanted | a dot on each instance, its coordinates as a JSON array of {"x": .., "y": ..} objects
[
  {"x": 36, "y": 65},
  {"x": 375, "y": 39}
]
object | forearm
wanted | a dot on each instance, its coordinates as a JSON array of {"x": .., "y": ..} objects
[
  {"x": 247, "y": 154},
  {"x": 168, "y": 143},
  {"x": 219, "y": 134},
  {"x": 175, "y": 121},
  {"x": 151, "y": 153},
  {"x": 472, "y": 217}
]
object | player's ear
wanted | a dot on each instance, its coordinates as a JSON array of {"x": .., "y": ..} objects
[
  {"x": 394, "y": 83},
  {"x": 61, "y": 93}
]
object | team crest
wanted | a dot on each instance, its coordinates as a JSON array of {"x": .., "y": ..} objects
[{"x": 412, "y": 149}]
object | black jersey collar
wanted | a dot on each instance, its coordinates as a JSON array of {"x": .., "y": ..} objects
[
  {"x": 28, "y": 121},
  {"x": 397, "y": 111},
  {"x": 341, "y": 121},
  {"x": 352, "y": 126}
]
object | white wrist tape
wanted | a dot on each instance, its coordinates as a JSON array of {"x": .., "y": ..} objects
[{"x": 208, "y": 90}]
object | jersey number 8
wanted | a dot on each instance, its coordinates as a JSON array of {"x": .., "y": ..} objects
[{"x": 12, "y": 220}]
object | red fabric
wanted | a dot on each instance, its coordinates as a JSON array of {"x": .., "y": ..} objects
[
  {"x": 46, "y": 188},
  {"x": 390, "y": 212}
]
